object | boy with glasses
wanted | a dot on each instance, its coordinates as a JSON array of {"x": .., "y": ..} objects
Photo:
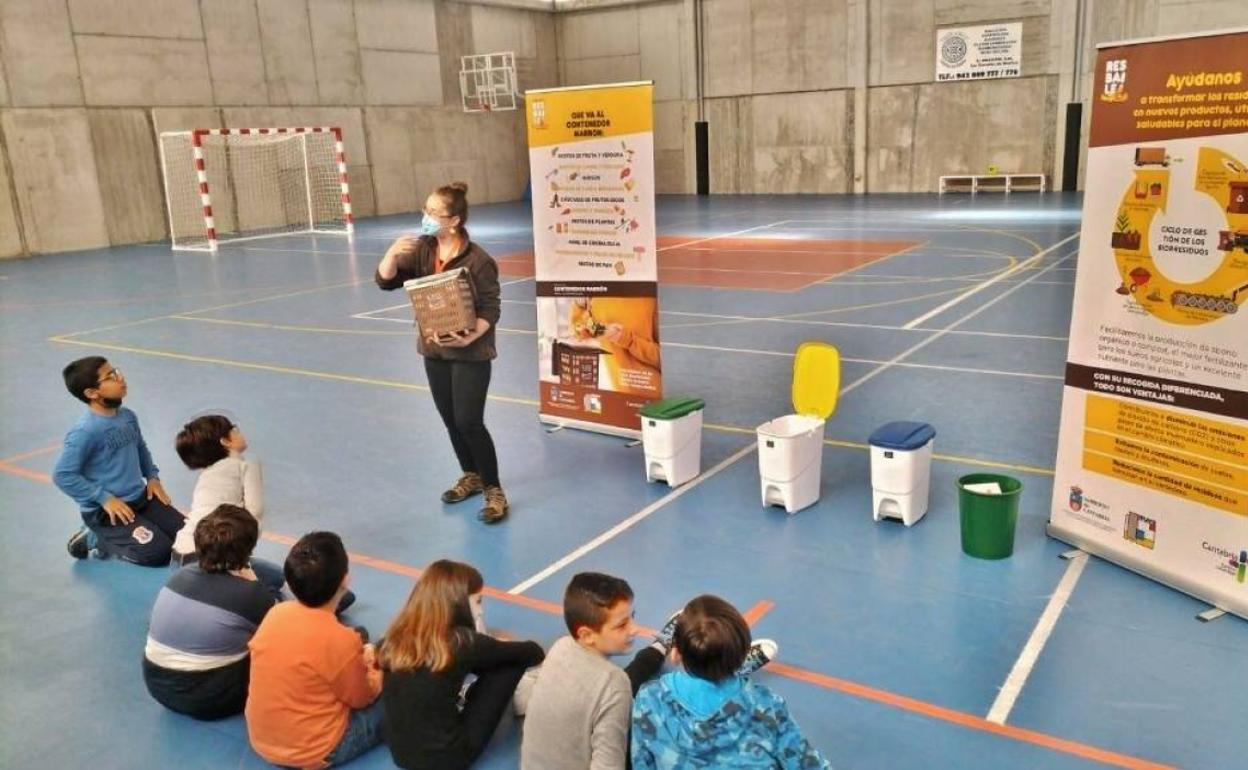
[{"x": 107, "y": 469}]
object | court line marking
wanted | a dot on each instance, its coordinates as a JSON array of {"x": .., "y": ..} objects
[
  {"x": 254, "y": 301},
  {"x": 685, "y": 345},
  {"x": 750, "y": 319},
  {"x": 332, "y": 376},
  {"x": 273, "y": 368},
  {"x": 836, "y": 684},
  {"x": 976, "y": 289},
  {"x": 830, "y": 311},
  {"x": 1018, "y": 675},
  {"x": 32, "y": 453},
  {"x": 627, "y": 523},
  {"x": 938, "y": 334}
]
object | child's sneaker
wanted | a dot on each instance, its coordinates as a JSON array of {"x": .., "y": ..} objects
[
  {"x": 762, "y": 652},
  {"x": 468, "y": 485},
  {"x": 496, "y": 507},
  {"x": 668, "y": 632},
  {"x": 79, "y": 544}
]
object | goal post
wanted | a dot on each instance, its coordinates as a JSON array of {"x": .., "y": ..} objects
[{"x": 232, "y": 184}]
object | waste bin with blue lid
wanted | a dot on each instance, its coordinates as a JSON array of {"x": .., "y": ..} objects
[
  {"x": 671, "y": 435},
  {"x": 901, "y": 470}
]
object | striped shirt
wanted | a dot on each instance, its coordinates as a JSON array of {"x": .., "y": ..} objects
[{"x": 204, "y": 620}]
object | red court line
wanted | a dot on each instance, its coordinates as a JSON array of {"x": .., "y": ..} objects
[
  {"x": 963, "y": 719},
  {"x": 775, "y": 264},
  {"x": 865, "y": 692}
]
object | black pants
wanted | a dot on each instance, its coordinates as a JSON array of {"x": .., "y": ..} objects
[
  {"x": 487, "y": 701},
  {"x": 215, "y": 694},
  {"x": 459, "y": 389},
  {"x": 148, "y": 540}
]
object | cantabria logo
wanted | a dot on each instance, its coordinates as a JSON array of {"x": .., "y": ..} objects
[
  {"x": 1231, "y": 562},
  {"x": 1076, "y": 499}
]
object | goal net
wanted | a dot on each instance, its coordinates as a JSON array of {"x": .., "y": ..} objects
[{"x": 231, "y": 184}]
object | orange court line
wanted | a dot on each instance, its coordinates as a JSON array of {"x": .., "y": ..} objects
[
  {"x": 24, "y": 473},
  {"x": 31, "y": 453},
  {"x": 756, "y": 613},
  {"x": 865, "y": 692}
]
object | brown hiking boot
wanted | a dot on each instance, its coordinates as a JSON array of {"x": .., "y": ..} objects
[
  {"x": 468, "y": 485},
  {"x": 496, "y": 507}
]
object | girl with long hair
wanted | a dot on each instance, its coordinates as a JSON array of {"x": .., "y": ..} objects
[{"x": 431, "y": 646}]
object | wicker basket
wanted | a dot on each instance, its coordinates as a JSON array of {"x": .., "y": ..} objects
[
  {"x": 575, "y": 365},
  {"x": 444, "y": 303}
]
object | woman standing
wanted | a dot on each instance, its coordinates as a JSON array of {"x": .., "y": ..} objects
[{"x": 458, "y": 369}]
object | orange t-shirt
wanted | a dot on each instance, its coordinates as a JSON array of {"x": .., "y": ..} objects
[{"x": 307, "y": 673}]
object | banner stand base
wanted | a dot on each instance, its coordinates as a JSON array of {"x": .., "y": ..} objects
[
  {"x": 1213, "y": 613},
  {"x": 560, "y": 423},
  {"x": 1146, "y": 569}
]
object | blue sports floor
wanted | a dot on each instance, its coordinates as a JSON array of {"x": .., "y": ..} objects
[{"x": 893, "y": 644}]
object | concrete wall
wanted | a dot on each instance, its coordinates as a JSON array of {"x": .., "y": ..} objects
[
  {"x": 650, "y": 41},
  {"x": 839, "y": 96},
  {"x": 85, "y": 86},
  {"x": 800, "y": 95}
]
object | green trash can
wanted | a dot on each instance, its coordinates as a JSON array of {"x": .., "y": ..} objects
[{"x": 988, "y": 519}]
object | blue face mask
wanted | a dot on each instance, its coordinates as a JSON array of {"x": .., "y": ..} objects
[{"x": 429, "y": 225}]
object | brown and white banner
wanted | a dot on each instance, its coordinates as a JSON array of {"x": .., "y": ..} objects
[
  {"x": 1152, "y": 465},
  {"x": 591, "y": 156}
]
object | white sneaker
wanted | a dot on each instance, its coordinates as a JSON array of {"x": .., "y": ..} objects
[{"x": 762, "y": 652}]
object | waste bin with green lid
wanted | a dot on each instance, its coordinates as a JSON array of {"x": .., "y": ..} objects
[
  {"x": 988, "y": 508},
  {"x": 671, "y": 435}
]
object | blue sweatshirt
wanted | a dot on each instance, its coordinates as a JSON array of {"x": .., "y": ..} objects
[{"x": 104, "y": 457}]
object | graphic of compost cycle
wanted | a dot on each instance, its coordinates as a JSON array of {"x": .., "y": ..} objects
[{"x": 1163, "y": 239}]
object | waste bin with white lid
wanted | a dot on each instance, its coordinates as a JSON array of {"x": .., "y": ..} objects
[
  {"x": 671, "y": 435},
  {"x": 790, "y": 448},
  {"x": 901, "y": 470}
]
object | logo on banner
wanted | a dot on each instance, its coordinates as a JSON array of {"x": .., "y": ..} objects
[
  {"x": 953, "y": 49},
  {"x": 1140, "y": 530},
  {"x": 1232, "y": 563},
  {"x": 1115, "y": 89},
  {"x": 1076, "y": 499},
  {"x": 539, "y": 114}
]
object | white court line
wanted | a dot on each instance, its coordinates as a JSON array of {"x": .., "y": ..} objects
[
  {"x": 1013, "y": 686},
  {"x": 525, "y": 585},
  {"x": 995, "y": 279},
  {"x": 920, "y": 345},
  {"x": 367, "y": 316},
  {"x": 675, "y": 493}
]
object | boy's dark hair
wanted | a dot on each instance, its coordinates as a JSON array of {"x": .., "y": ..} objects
[
  {"x": 589, "y": 597},
  {"x": 199, "y": 442},
  {"x": 225, "y": 538},
  {"x": 712, "y": 638},
  {"x": 82, "y": 374},
  {"x": 315, "y": 567}
]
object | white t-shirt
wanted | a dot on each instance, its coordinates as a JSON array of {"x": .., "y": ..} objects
[{"x": 230, "y": 480}]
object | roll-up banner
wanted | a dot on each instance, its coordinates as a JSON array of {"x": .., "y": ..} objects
[
  {"x": 1152, "y": 465},
  {"x": 591, "y": 159}
]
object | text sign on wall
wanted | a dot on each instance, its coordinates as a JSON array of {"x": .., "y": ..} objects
[{"x": 979, "y": 53}]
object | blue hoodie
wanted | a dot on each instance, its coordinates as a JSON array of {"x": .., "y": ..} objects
[{"x": 680, "y": 721}]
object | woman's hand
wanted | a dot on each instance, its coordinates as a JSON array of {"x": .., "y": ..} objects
[
  {"x": 465, "y": 338},
  {"x": 388, "y": 268}
]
